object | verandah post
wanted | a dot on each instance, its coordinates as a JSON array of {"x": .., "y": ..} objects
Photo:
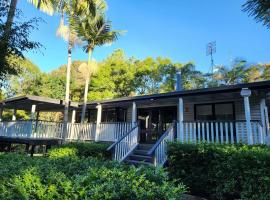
[
  {"x": 99, "y": 113},
  {"x": 33, "y": 111},
  {"x": 245, "y": 92},
  {"x": 37, "y": 118},
  {"x": 1, "y": 113},
  {"x": 73, "y": 118},
  {"x": 181, "y": 119},
  {"x": 134, "y": 113},
  {"x": 263, "y": 120},
  {"x": 14, "y": 114}
]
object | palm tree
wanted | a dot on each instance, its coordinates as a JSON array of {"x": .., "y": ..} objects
[
  {"x": 259, "y": 9},
  {"x": 93, "y": 32},
  {"x": 231, "y": 75},
  {"x": 70, "y": 9}
]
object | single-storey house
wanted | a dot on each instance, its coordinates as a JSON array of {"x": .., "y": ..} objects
[{"x": 139, "y": 126}]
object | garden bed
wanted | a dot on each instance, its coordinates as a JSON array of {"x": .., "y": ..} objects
[
  {"x": 222, "y": 171},
  {"x": 69, "y": 173}
]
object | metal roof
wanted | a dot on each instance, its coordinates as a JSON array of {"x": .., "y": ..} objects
[
  {"x": 42, "y": 103},
  {"x": 184, "y": 93},
  {"x": 49, "y": 104}
]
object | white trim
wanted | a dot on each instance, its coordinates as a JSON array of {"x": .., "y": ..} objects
[
  {"x": 181, "y": 119},
  {"x": 99, "y": 115}
]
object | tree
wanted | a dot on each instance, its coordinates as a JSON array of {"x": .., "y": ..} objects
[
  {"x": 29, "y": 80},
  {"x": 265, "y": 71},
  {"x": 71, "y": 9},
  {"x": 14, "y": 39},
  {"x": 114, "y": 77},
  {"x": 259, "y": 9},
  {"x": 93, "y": 30},
  {"x": 147, "y": 76},
  {"x": 231, "y": 75}
]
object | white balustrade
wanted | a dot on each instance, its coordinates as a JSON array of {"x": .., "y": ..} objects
[
  {"x": 31, "y": 129},
  {"x": 78, "y": 131},
  {"x": 160, "y": 152},
  {"x": 16, "y": 128},
  {"x": 221, "y": 132},
  {"x": 125, "y": 145},
  {"x": 113, "y": 131},
  {"x": 45, "y": 129}
]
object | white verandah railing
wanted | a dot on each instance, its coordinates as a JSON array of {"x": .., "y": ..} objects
[
  {"x": 220, "y": 132},
  {"x": 112, "y": 131},
  {"x": 31, "y": 129},
  {"x": 76, "y": 131},
  {"x": 159, "y": 150},
  {"x": 125, "y": 145}
]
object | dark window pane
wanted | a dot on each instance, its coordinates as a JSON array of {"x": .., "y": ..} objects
[
  {"x": 224, "y": 111},
  {"x": 92, "y": 116},
  {"x": 121, "y": 115},
  {"x": 204, "y": 112}
]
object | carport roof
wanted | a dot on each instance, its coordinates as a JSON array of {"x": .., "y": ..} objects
[{"x": 42, "y": 103}]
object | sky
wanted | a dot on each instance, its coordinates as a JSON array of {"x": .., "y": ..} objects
[{"x": 177, "y": 29}]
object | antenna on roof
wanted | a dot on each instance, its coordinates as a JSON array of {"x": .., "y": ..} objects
[{"x": 210, "y": 50}]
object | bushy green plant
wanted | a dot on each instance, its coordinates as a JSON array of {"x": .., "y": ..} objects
[
  {"x": 81, "y": 149},
  {"x": 72, "y": 177},
  {"x": 222, "y": 171}
]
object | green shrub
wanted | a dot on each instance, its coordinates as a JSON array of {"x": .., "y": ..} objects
[
  {"x": 72, "y": 177},
  {"x": 222, "y": 171},
  {"x": 81, "y": 149}
]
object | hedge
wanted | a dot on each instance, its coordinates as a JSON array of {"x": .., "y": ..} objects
[
  {"x": 81, "y": 149},
  {"x": 72, "y": 177},
  {"x": 222, "y": 171}
]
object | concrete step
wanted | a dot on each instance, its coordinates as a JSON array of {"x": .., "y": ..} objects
[
  {"x": 144, "y": 146},
  {"x": 140, "y": 158},
  {"x": 140, "y": 152},
  {"x": 135, "y": 162}
]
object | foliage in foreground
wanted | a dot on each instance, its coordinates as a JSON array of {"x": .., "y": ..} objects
[
  {"x": 81, "y": 150},
  {"x": 71, "y": 177},
  {"x": 222, "y": 171}
]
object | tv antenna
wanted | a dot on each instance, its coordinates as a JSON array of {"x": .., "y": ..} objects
[{"x": 210, "y": 50}]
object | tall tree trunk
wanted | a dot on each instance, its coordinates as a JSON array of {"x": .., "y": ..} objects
[
  {"x": 8, "y": 26},
  {"x": 86, "y": 85},
  {"x": 67, "y": 91}
]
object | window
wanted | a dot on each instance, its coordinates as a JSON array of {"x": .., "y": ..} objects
[
  {"x": 224, "y": 111},
  {"x": 113, "y": 115},
  {"x": 92, "y": 115},
  {"x": 204, "y": 112},
  {"x": 214, "y": 111}
]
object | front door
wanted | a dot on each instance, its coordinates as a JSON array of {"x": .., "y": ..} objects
[{"x": 154, "y": 122}]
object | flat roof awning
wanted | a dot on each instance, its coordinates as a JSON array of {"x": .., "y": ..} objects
[{"x": 42, "y": 103}]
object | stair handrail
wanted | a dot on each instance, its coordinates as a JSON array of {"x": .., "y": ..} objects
[
  {"x": 152, "y": 150},
  {"x": 123, "y": 137}
]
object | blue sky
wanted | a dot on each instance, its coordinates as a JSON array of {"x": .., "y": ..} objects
[{"x": 178, "y": 29}]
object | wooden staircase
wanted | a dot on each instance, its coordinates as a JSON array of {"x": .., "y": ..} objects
[{"x": 139, "y": 155}]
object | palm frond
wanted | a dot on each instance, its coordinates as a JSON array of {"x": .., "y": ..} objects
[
  {"x": 95, "y": 31},
  {"x": 46, "y": 6}
]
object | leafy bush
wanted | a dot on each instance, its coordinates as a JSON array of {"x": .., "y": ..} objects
[
  {"x": 82, "y": 149},
  {"x": 222, "y": 171},
  {"x": 71, "y": 177}
]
